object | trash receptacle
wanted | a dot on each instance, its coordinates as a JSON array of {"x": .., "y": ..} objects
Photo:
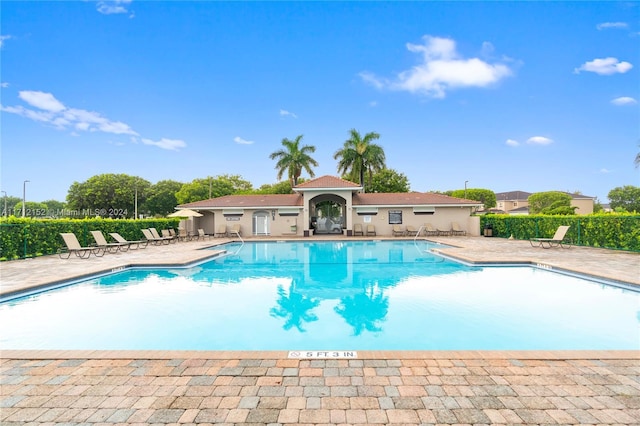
[{"x": 488, "y": 230}]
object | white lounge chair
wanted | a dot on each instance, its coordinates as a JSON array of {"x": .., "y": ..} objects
[
  {"x": 74, "y": 247},
  {"x": 398, "y": 231},
  {"x": 154, "y": 239},
  {"x": 101, "y": 241},
  {"x": 457, "y": 230},
  {"x": 357, "y": 229},
  {"x": 235, "y": 230},
  {"x": 554, "y": 241},
  {"x": 133, "y": 245},
  {"x": 221, "y": 231}
]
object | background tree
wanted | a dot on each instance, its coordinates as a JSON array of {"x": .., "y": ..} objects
[
  {"x": 54, "y": 205},
  {"x": 625, "y": 198},
  {"x": 543, "y": 200},
  {"x": 106, "y": 194},
  {"x": 386, "y": 181},
  {"x": 359, "y": 155},
  {"x": 212, "y": 187},
  {"x": 161, "y": 198},
  {"x": 485, "y": 196},
  {"x": 293, "y": 159},
  {"x": 34, "y": 209},
  {"x": 283, "y": 187},
  {"x": 10, "y": 202}
]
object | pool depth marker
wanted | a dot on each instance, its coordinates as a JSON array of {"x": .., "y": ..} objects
[{"x": 322, "y": 354}]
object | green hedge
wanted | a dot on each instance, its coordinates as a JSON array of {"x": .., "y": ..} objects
[
  {"x": 613, "y": 231},
  {"x": 21, "y": 238}
]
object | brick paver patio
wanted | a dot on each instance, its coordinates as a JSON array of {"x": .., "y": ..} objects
[{"x": 475, "y": 390}]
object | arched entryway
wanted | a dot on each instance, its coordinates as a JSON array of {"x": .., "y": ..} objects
[
  {"x": 327, "y": 214},
  {"x": 260, "y": 223}
]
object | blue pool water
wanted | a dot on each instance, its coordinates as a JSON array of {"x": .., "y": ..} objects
[{"x": 385, "y": 295}]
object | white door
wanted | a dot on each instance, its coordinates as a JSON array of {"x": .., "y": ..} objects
[{"x": 261, "y": 223}]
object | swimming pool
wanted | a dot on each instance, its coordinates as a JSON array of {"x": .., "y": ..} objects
[{"x": 356, "y": 295}]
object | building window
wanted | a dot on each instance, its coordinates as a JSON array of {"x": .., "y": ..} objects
[
  {"x": 515, "y": 204},
  {"x": 395, "y": 217}
]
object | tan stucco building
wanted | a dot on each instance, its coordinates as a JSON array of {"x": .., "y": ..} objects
[
  {"x": 330, "y": 205},
  {"x": 517, "y": 202}
]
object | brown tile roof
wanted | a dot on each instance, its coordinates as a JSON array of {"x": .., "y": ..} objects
[
  {"x": 327, "y": 181},
  {"x": 407, "y": 199},
  {"x": 246, "y": 201}
]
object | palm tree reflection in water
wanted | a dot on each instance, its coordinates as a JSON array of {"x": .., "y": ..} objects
[
  {"x": 294, "y": 307},
  {"x": 365, "y": 310}
]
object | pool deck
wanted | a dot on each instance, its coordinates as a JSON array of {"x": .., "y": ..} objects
[{"x": 376, "y": 387}]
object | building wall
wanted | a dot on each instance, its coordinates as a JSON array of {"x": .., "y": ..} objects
[
  {"x": 441, "y": 219},
  {"x": 584, "y": 206},
  {"x": 282, "y": 225}
]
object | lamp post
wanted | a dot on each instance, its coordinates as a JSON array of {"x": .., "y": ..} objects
[
  {"x": 24, "y": 198},
  {"x": 465, "y": 189},
  {"x": 5, "y": 203},
  {"x": 135, "y": 200}
]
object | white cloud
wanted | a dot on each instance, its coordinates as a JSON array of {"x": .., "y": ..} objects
[
  {"x": 373, "y": 104},
  {"x": 110, "y": 7},
  {"x": 41, "y": 100},
  {"x": 164, "y": 143},
  {"x": 441, "y": 69},
  {"x": 285, "y": 113},
  {"x": 539, "y": 140},
  {"x": 624, "y": 100},
  {"x": 241, "y": 141},
  {"x": 3, "y": 38},
  {"x": 4, "y": 84},
  {"x": 605, "y": 66},
  {"x": 605, "y": 171},
  {"x": 605, "y": 25},
  {"x": 51, "y": 111},
  {"x": 512, "y": 142}
]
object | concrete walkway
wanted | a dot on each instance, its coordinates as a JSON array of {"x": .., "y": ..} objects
[{"x": 261, "y": 388}]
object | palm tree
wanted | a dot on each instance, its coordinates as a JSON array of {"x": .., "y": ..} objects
[
  {"x": 359, "y": 155},
  {"x": 293, "y": 159}
]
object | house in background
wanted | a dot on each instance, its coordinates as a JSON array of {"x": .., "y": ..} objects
[
  {"x": 331, "y": 205},
  {"x": 513, "y": 200},
  {"x": 516, "y": 202}
]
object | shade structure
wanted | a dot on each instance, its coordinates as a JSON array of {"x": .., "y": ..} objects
[{"x": 185, "y": 213}]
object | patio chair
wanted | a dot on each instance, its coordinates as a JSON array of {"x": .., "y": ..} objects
[
  {"x": 444, "y": 232},
  {"x": 371, "y": 230},
  {"x": 357, "y": 230},
  {"x": 201, "y": 234},
  {"x": 457, "y": 230},
  {"x": 398, "y": 231},
  {"x": 429, "y": 230},
  {"x": 133, "y": 245},
  {"x": 154, "y": 239},
  {"x": 412, "y": 231},
  {"x": 101, "y": 241},
  {"x": 554, "y": 241},
  {"x": 221, "y": 231},
  {"x": 166, "y": 233},
  {"x": 236, "y": 230},
  {"x": 74, "y": 247},
  {"x": 183, "y": 235}
]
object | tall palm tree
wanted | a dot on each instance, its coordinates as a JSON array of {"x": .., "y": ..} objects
[
  {"x": 293, "y": 159},
  {"x": 359, "y": 155}
]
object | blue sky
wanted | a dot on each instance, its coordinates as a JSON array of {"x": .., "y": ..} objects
[{"x": 531, "y": 96}]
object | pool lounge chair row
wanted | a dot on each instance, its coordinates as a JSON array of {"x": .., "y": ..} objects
[
  {"x": 222, "y": 231},
  {"x": 73, "y": 246}
]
